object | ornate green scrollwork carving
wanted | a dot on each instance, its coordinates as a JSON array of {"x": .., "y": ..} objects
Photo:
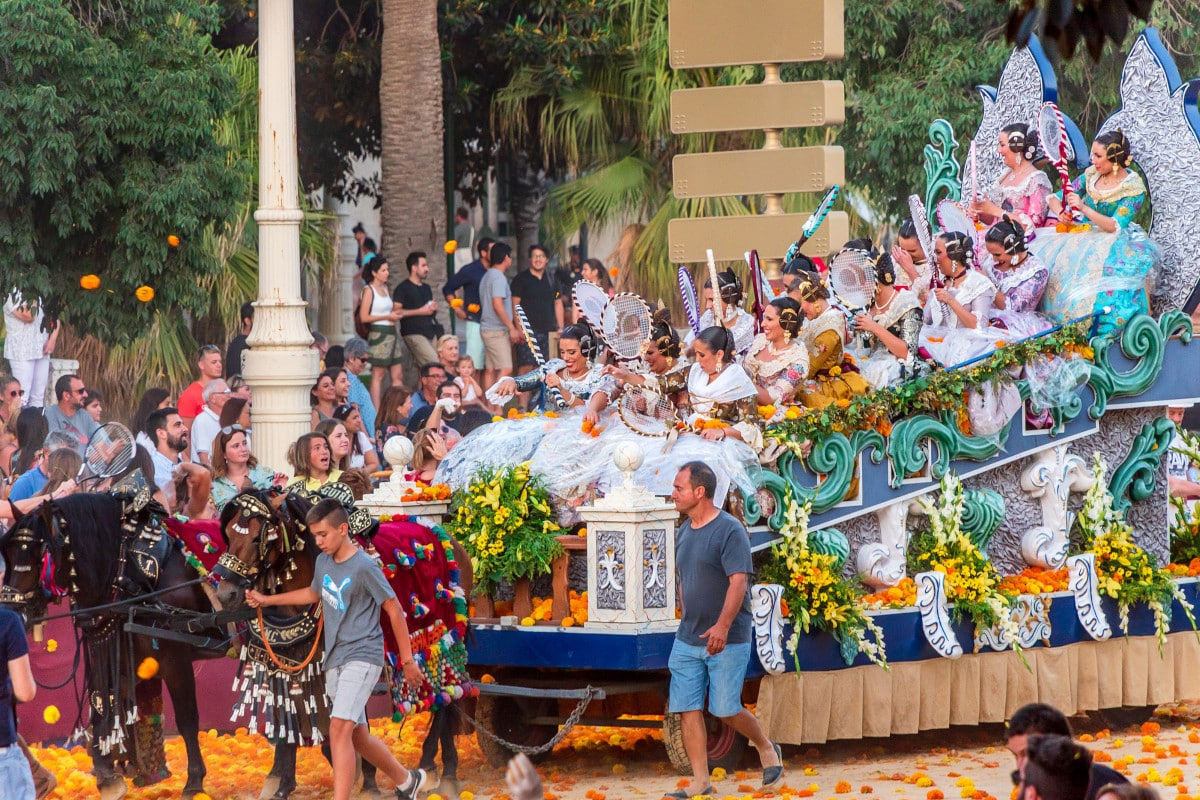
[
  {"x": 830, "y": 542},
  {"x": 907, "y": 456},
  {"x": 941, "y": 167},
  {"x": 1133, "y": 481},
  {"x": 835, "y": 457},
  {"x": 777, "y": 488},
  {"x": 1143, "y": 339},
  {"x": 983, "y": 511}
]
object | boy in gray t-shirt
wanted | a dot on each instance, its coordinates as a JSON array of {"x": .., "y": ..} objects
[{"x": 352, "y": 591}]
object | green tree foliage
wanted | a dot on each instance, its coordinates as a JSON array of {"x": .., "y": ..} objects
[{"x": 107, "y": 146}]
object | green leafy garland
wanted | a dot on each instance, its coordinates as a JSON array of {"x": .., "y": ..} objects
[
  {"x": 505, "y": 522},
  {"x": 816, "y": 595},
  {"x": 933, "y": 394}
]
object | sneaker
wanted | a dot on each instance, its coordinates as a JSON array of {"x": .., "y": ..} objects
[{"x": 414, "y": 784}]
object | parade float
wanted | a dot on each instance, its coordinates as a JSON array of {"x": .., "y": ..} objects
[{"x": 916, "y": 573}]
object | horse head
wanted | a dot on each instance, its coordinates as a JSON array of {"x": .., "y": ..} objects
[
  {"x": 263, "y": 530},
  {"x": 27, "y": 551}
]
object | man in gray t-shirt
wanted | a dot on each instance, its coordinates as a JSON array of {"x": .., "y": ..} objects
[
  {"x": 712, "y": 646},
  {"x": 497, "y": 327},
  {"x": 68, "y": 414},
  {"x": 352, "y": 591}
]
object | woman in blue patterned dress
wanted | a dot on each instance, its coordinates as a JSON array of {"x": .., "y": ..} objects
[{"x": 1111, "y": 263}]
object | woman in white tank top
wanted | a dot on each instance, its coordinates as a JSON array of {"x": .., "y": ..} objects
[{"x": 376, "y": 309}]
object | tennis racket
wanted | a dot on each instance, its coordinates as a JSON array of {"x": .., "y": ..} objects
[
  {"x": 648, "y": 413},
  {"x": 973, "y": 168},
  {"x": 920, "y": 220},
  {"x": 625, "y": 324},
  {"x": 536, "y": 349},
  {"x": 1053, "y": 130},
  {"x": 813, "y": 222},
  {"x": 691, "y": 303},
  {"x": 109, "y": 452},
  {"x": 591, "y": 300},
  {"x": 852, "y": 278}
]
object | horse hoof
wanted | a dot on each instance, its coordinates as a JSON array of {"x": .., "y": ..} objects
[
  {"x": 115, "y": 789},
  {"x": 270, "y": 787}
]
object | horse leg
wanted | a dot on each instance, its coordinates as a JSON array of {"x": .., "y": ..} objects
[
  {"x": 369, "y": 786},
  {"x": 281, "y": 780},
  {"x": 181, "y": 683},
  {"x": 110, "y": 785}
]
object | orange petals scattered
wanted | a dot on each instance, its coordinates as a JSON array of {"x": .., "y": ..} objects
[
  {"x": 173, "y": 240},
  {"x": 450, "y": 246}
]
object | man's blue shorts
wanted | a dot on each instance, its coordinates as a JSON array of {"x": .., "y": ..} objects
[{"x": 694, "y": 672}]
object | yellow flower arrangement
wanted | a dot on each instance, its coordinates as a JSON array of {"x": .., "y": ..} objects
[
  {"x": 816, "y": 595},
  {"x": 505, "y": 522},
  {"x": 972, "y": 583},
  {"x": 1126, "y": 572}
]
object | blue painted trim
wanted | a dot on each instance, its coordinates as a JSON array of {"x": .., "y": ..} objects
[{"x": 578, "y": 649}]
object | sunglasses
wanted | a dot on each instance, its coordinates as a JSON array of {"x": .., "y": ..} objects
[
  {"x": 16, "y": 393},
  {"x": 210, "y": 348},
  {"x": 231, "y": 429}
]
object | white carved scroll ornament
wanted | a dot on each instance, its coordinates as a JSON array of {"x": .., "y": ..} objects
[
  {"x": 1085, "y": 585},
  {"x": 766, "y": 610},
  {"x": 935, "y": 616},
  {"x": 1050, "y": 479}
]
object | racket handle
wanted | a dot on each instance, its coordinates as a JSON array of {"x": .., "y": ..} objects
[{"x": 534, "y": 348}]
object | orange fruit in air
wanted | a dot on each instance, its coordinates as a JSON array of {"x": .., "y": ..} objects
[
  {"x": 90, "y": 281},
  {"x": 144, "y": 293},
  {"x": 173, "y": 240},
  {"x": 450, "y": 246}
]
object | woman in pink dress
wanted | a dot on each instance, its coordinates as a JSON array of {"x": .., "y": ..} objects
[{"x": 1022, "y": 190}]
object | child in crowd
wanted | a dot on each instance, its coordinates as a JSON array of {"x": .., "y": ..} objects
[
  {"x": 352, "y": 590},
  {"x": 472, "y": 393}
]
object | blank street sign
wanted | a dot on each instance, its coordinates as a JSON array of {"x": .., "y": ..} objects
[
  {"x": 720, "y": 33},
  {"x": 730, "y": 237},
  {"x": 803, "y": 104},
  {"x": 794, "y": 169}
]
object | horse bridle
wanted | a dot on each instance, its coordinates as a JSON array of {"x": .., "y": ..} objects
[
  {"x": 9, "y": 595},
  {"x": 233, "y": 569}
]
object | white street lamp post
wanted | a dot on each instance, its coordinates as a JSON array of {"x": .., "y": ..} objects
[{"x": 280, "y": 365}]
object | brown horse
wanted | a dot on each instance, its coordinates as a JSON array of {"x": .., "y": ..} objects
[
  {"x": 128, "y": 555},
  {"x": 269, "y": 548}
]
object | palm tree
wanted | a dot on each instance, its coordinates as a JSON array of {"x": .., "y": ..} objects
[
  {"x": 163, "y": 355},
  {"x": 609, "y": 133},
  {"x": 413, "y": 140}
]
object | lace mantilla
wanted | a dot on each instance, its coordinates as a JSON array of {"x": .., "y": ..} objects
[{"x": 1130, "y": 186}]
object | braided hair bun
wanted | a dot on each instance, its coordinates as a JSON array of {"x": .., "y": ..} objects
[{"x": 663, "y": 335}]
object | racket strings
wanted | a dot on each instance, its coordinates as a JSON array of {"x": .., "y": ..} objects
[
  {"x": 647, "y": 413},
  {"x": 626, "y": 325}
]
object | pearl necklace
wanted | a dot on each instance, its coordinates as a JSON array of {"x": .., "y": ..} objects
[{"x": 879, "y": 309}]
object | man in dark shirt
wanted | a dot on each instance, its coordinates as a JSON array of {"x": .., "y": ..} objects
[
  {"x": 237, "y": 345},
  {"x": 712, "y": 645},
  {"x": 418, "y": 320},
  {"x": 467, "y": 279},
  {"x": 442, "y": 416},
  {"x": 1040, "y": 718},
  {"x": 536, "y": 293}
]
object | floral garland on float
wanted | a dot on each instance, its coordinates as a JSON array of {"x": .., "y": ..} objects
[
  {"x": 1126, "y": 573},
  {"x": 972, "y": 583},
  {"x": 816, "y": 595},
  {"x": 940, "y": 392},
  {"x": 1185, "y": 525},
  {"x": 505, "y": 522}
]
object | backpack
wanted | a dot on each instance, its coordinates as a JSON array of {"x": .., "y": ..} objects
[{"x": 361, "y": 329}]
